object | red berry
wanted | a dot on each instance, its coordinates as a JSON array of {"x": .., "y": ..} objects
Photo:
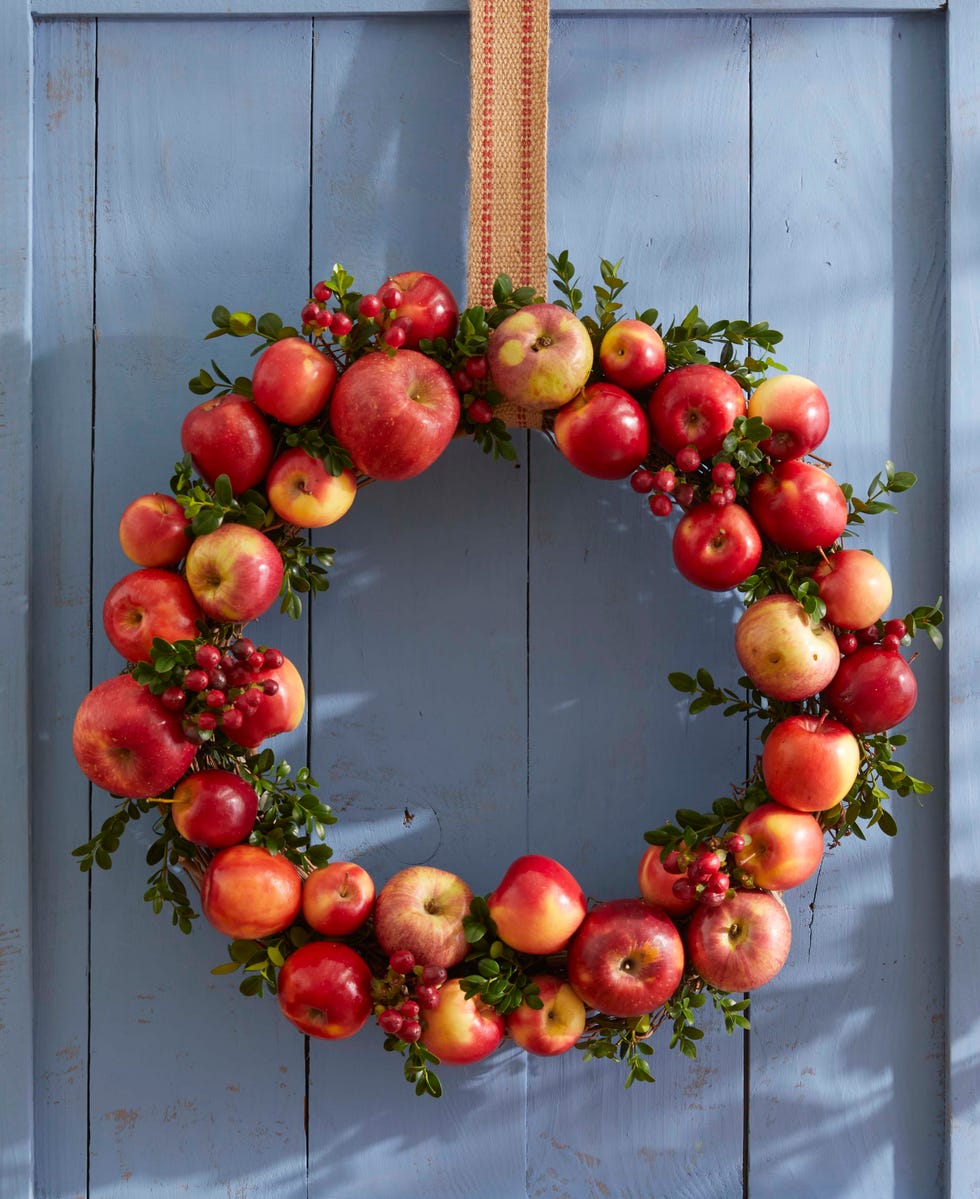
[
  {"x": 402, "y": 961},
  {"x": 434, "y": 975},
  {"x": 394, "y": 337},
  {"x": 480, "y": 412},
  {"x": 273, "y": 659},
  {"x": 671, "y": 863},
  {"x": 462, "y": 381},
  {"x": 174, "y": 699},
  {"x": 218, "y": 678},
  {"x": 410, "y": 1009},
  {"x": 688, "y": 458},
  {"x": 270, "y": 686},
  {"x": 665, "y": 480},
  {"x": 661, "y": 505},
  {"x": 228, "y": 660},
  {"x": 719, "y": 883},
  {"x": 195, "y": 680},
  {"x": 232, "y": 718},
  {"x": 207, "y": 720},
  {"x": 712, "y": 898},
  {"x": 342, "y": 324},
  {"x": 642, "y": 481},
  {"x": 708, "y": 862},
  {"x": 411, "y": 1031},
  {"x": 476, "y": 368},
  {"x": 324, "y": 318},
  {"x": 847, "y": 643},
  {"x": 215, "y": 699},
  {"x": 369, "y": 306},
  {"x": 735, "y": 843},
  {"x": 321, "y": 292},
  {"x": 428, "y": 997},
  {"x": 723, "y": 473},
  {"x": 730, "y": 494},
  {"x": 207, "y": 656},
  {"x": 391, "y": 1021},
  {"x": 685, "y": 889},
  {"x": 870, "y": 635},
  {"x": 684, "y": 494},
  {"x": 243, "y": 647},
  {"x": 255, "y": 661},
  {"x": 309, "y": 314},
  {"x": 891, "y": 643},
  {"x": 719, "y": 497},
  {"x": 896, "y": 628},
  {"x": 391, "y": 296}
]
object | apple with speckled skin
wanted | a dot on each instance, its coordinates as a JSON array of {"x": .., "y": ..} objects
[
  {"x": 784, "y": 655},
  {"x": 695, "y": 405},
  {"x": 228, "y": 435},
  {"x": 626, "y": 959},
  {"x": 856, "y": 588},
  {"x": 783, "y": 847},
  {"x": 293, "y": 381},
  {"x": 555, "y": 1026},
  {"x": 145, "y": 604},
  {"x": 603, "y": 432},
  {"x": 304, "y": 493},
  {"x": 214, "y": 808},
  {"x": 537, "y": 905},
  {"x": 716, "y": 548},
  {"x": 797, "y": 412},
  {"x": 234, "y": 573},
  {"x": 153, "y": 530},
  {"x": 127, "y": 742},
  {"x": 421, "y": 908},
  {"x": 799, "y": 506},
  {"x": 461, "y": 1031},
  {"x": 247, "y": 892},
  {"x": 742, "y": 943},
  {"x": 337, "y": 898},
  {"x": 873, "y": 690},
  {"x": 540, "y": 357},
  {"x": 632, "y": 355},
  {"x": 810, "y": 762},
  {"x": 324, "y": 989}
]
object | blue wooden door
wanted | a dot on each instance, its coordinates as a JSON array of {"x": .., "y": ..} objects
[{"x": 487, "y": 674}]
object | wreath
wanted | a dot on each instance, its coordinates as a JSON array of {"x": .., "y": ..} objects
[{"x": 704, "y": 423}]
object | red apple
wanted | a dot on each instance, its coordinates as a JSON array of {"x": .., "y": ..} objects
[
  {"x": 292, "y": 381},
  {"x": 626, "y": 959},
  {"x": 428, "y": 306},
  {"x": 421, "y": 909},
  {"x": 154, "y": 530},
  {"x": 248, "y": 892},
  {"x": 797, "y": 412},
  {"x": 337, "y": 898},
  {"x": 461, "y": 1031},
  {"x": 126, "y": 741},
  {"x": 553, "y": 1028},
  {"x": 145, "y": 604},
  {"x": 278, "y": 713},
  {"x": 784, "y": 655},
  {"x": 228, "y": 436},
  {"x": 214, "y": 808},
  {"x": 537, "y": 906},
  {"x": 394, "y": 414},
  {"x": 783, "y": 847},
  {"x": 695, "y": 405},
  {"x": 304, "y": 493},
  {"x": 603, "y": 432},
  {"x": 856, "y": 588},
  {"x": 716, "y": 548},
  {"x": 632, "y": 355},
  {"x": 742, "y": 943},
  {"x": 235, "y": 573},
  {"x": 810, "y": 762},
  {"x": 657, "y": 885},
  {"x": 799, "y": 507},
  {"x": 873, "y": 690},
  {"x": 540, "y": 357},
  {"x": 324, "y": 988}
]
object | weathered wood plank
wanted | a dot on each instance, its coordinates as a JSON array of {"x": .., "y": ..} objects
[
  {"x": 847, "y": 1090},
  {"x": 963, "y": 1036},
  {"x": 648, "y": 160},
  {"x": 64, "y": 263},
  {"x": 203, "y": 198}
]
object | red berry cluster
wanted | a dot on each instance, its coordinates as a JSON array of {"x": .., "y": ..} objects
[
  {"x": 317, "y": 318},
  {"x": 471, "y": 379},
  {"x": 888, "y": 635},
  {"x": 703, "y": 871},
  {"x": 223, "y": 688},
  {"x": 665, "y": 490},
  {"x": 407, "y": 989}
]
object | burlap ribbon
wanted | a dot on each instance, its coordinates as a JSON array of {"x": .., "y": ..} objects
[{"x": 508, "y": 154}]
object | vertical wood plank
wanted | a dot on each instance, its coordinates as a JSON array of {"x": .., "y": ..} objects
[
  {"x": 963, "y": 1040},
  {"x": 847, "y": 1089},
  {"x": 64, "y": 262},
  {"x": 648, "y": 161},
  {"x": 203, "y": 198},
  {"x": 16, "y": 1031}
]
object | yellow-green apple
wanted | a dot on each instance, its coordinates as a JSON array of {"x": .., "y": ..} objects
[
  {"x": 427, "y": 309},
  {"x": 695, "y": 405},
  {"x": 461, "y": 1031},
  {"x": 716, "y": 548},
  {"x": 810, "y": 762},
  {"x": 626, "y": 959},
  {"x": 797, "y": 412},
  {"x": 292, "y": 381},
  {"x": 394, "y": 414},
  {"x": 553, "y": 1028},
  {"x": 145, "y": 604},
  {"x": 782, "y": 847},
  {"x": 785, "y": 656},
  {"x": 278, "y": 712},
  {"x": 540, "y": 357},
  {"x": 303, "y": 492},
  {"x": 234, "y": 573},
  {"x": 154, "y": 530},
  {"x": 421, "y": 909},
  {"x": 214, "y": 808},
  {"x": 632, "y": 355},
  {"x": 742, "y": 943},
  {"x": 657, "y": 885},
  {"x": 537, "y": 905},
  {"x": 603, "y": 432},
  {"x": 127, "y": 743},
  {"x": 337, "y": 898},
  {"x": 229, "y": 436},
  {"x": 856, "y": 588},
  {"x": 324, "y": 989},
  {"x": 874, "y": 689},
  {"x": 799, "y": 506},
  {"x": 247, "y": 892}
]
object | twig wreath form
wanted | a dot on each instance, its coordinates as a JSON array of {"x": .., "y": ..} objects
[{"x": 374, "y": 386}]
